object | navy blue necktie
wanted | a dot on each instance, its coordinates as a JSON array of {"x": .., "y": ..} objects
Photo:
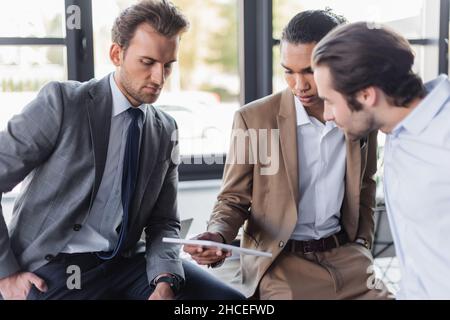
[{"x": 129, "y": 178}]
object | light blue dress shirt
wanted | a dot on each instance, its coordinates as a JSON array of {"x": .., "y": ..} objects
[
  {"x": 417, "y": 195},
  {"x": 321, "y": 160},
  {"x": 99, "y": 232}
]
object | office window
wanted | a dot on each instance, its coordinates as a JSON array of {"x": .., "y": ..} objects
[
  {"x": 25, "y": 18},
  {"x": 202, "y": 93},
  {"x": 414, "y": 19},
  {"x": 25, "y": 68}
]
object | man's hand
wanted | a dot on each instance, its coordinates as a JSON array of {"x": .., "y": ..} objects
[
  {"x": 163, "y": 291},
  {"x": 18, "y": 286},
  {"x": 207, "y": 255}
]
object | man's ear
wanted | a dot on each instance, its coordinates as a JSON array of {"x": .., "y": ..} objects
[
  {"x": 368, "y": 96},
  {"x": 115, "y": 54}
]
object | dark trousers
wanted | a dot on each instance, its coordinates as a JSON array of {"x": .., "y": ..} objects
[{"x": 121, "y": 279}]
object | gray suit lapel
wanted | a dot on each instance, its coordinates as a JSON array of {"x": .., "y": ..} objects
[
  {"x": 151, "y": 140},
  {"x": 99, "y": 111}
]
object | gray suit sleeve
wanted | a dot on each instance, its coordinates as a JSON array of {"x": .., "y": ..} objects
[
  {"x": 165, "y": 222},
  {"x": 27, "y": 142}
]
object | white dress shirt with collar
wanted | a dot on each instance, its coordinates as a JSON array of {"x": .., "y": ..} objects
[
  {"x": 322, "y": 166},
  {"x": 100, "y": 232},
  {"x": 417, "y": 195}
]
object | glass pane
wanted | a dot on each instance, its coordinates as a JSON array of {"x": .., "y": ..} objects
[
  {"x": 414, "y": 19},
  {"x": 25, "y": 18},
  {"x": 23, "y": 71},
  {"x": 405, "y": 16},
  {"x": 202, "y": 93}
]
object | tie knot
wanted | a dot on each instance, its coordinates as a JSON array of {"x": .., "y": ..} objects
[{"x": 135, "y": 113}]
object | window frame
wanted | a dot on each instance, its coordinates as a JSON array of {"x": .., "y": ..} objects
[
  {"x": 255, "y": 40},
  {"x": 79, "y": 43}
]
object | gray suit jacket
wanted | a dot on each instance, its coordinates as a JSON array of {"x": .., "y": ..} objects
[{"x": 58, "y": 146}]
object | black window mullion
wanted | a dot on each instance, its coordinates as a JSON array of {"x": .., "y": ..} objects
[
  {"x": 80, "y": 43},
  {"x": 255, "y": 49}
]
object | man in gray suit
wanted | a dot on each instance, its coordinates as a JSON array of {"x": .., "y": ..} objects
[{"x": 96, "y": 161}]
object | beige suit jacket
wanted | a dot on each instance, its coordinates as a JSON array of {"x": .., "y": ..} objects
[{"x": 267, "y": 205}]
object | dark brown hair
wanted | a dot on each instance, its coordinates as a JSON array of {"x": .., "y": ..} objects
[
  {"x": 162, "y": 15},
  {"x": 360, "y": 55},
  {"x": 311, "y": 26}
]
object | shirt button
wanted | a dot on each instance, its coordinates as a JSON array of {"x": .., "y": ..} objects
[
  {"x": 281, "y": 244},
  {"x": 49, "y": 257},
  {"x": 77, "y": 227}
]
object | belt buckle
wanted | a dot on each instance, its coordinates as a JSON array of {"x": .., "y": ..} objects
[{"x": 307, "y": 248}]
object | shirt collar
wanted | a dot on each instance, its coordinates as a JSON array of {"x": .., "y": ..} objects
[
  {"x": 120, "y": 102},
  {"x": 303, "y": 117},
  {"x": 438, "y": 94}
]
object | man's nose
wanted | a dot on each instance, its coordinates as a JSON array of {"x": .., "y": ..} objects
[
  {"x": 301, "y": 83},
  {"x": 158, "y": 76}
]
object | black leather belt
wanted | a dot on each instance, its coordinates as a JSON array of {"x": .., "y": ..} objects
[{"x": 321, "y": 245}]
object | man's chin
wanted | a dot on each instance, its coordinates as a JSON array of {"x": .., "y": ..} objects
[
  {"x": 355, "y": 136},
  {"x": 312, "y": 103},
  {"x": 150, "y": 98}
]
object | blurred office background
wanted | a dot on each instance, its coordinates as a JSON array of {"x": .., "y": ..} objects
[{"x": 229, "y": 57}]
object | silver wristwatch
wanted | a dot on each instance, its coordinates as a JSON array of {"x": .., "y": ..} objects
[{"x": 363, "y": 242}]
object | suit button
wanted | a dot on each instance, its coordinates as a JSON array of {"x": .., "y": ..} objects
[
  {"x": 49, "y": 257},
  {"x": 281, "y": 244},
  {"x": 77, "y": 227}
]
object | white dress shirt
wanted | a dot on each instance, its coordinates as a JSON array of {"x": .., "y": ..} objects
[
  {"x": 417, "y": 192},
  {"x": 99, "y": 233},
  {"x": 321, "y": 161}
]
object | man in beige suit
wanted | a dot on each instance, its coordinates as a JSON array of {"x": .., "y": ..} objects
[{"x": 315, "y": 212}]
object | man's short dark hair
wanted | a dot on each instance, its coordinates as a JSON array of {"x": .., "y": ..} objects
[
  {"x": 361, "y": 55},
  {"x": 311, "y": 26},
  {"x": 161, "y": 15}
]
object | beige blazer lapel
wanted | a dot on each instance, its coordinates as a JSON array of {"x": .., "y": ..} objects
[
  {"x": 287, "y": 123},
  {"x": 352, "y": 186}
]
